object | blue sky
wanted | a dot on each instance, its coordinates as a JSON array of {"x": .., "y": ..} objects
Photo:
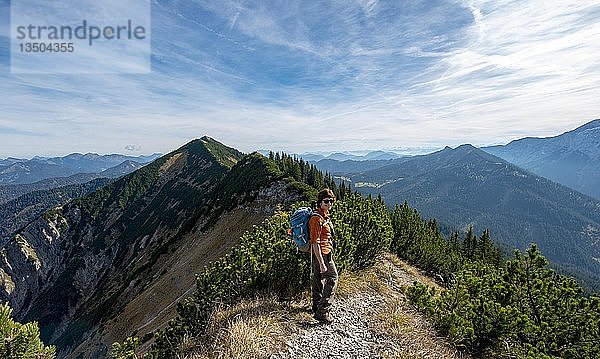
[{"x": 320, "y": 76}]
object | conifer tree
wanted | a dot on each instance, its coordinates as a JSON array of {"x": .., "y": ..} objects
[
  {"x": 454, "y": 241},
  {"x": 469, "y": 244},
  {"x": 21, "y": 340}
]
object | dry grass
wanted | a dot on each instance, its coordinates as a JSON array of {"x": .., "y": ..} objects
[
  {"x": 393, "y": 320},
  {"x": 412, "y": 271},
  {"x": 366, "y": 281},
  {"x": 247, "y": 338},
  {"x": 412, "y": 334},
  {"x": 250, "y": 329}
]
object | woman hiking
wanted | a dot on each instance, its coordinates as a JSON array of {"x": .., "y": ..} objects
[{"x": 325, "y": 275}]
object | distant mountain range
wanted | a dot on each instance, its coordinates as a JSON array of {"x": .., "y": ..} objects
[
  {"x": 572, "y": 159},
  {"x": 467, "y": 186},
  {"x": 377, "y": 155},
  {"x": 21, "y": 171},
  {"x": 350, "y": 166},
  {"x": 12, "y": 191},
  {"x": 125, "y": 253},
  {"x": 21, "y": 203},
  {"x": 344, "y": 156}
]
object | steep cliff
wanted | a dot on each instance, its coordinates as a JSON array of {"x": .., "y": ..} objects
[{"x": 77, "y": 267}]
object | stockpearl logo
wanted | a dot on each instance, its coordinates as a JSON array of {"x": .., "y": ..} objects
[{"x": 80, "y": 36}]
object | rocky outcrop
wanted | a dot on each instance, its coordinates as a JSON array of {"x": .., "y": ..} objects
[
  {"x": 80, "y": 265},
  {"x": 29, "y": 258}
]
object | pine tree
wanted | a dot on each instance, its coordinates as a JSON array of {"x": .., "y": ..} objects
[
  {"x": 469, "y": 244},
  {"x": 454, "y": 241},
  {"x": 21, "y": 340},
  {"x": 487, "y": 251}
]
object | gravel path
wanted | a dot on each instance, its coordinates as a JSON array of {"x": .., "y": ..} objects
[
  {"x": 349, "y": 336},
  {"x": 357, "y": 330}
]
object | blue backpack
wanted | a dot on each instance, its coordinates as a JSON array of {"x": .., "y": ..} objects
[{"x": 299, "y": 228}]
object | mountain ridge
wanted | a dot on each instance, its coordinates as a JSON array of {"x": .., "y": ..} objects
[
  {"x": 467, "y": 186},
  {"x": 128, "y": 227},
  {"x": 373, "y": 318},
  {"x": 139, "y": 217},
  {"x": 571, "y": 158}
]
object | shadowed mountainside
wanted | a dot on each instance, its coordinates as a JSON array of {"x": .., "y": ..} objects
[
  {"x": 103, "y": 251},
  {"x": 467, "y": 186}
]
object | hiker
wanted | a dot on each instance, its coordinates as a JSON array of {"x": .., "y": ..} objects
[{"x": 325, "y": 275}]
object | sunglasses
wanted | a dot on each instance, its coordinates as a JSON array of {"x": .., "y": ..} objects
[{"x": 328, "y": 200}]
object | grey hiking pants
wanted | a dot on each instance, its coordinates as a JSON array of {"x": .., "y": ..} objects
[{"x": 323, "y": 284}]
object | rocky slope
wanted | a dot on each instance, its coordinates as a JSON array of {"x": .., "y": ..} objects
[
  {"x": 16, "y": 213},
  {"x": 22, "y": 203},
  {"x": 77, "y": 268}
]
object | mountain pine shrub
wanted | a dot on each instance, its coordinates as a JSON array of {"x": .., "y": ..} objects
[
  {"x": 422, "y": 244},
  {"x": 523, "y": 309},
  {"x": 363, "y": 229},
  {"x": 21, "y": 340}
]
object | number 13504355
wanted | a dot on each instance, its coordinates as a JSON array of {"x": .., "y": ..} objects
[{"x": 46, "y": 47}]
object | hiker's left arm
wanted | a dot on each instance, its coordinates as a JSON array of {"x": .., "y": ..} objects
[{"x": 314, "y": 227}]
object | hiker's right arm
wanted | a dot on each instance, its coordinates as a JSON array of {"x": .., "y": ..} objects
[{"x": 314, "y": 226}]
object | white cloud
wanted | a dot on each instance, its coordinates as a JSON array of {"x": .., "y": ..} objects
[
  {"x": 529, "y": 65},
  {"x": 348, "y": 75}
]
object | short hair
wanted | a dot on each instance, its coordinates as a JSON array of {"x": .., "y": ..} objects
[{"x": 324, "y": 193}]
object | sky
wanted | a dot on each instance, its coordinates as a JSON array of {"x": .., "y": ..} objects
[{"x": 307, "y": 76}]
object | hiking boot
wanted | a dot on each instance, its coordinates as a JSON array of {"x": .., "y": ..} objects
[{"x": 323, "y": 318}]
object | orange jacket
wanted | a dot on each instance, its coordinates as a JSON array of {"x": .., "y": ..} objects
[{"x": 320, "y": 231}]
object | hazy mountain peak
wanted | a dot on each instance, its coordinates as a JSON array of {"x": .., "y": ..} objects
[
  {"x": 572, "y": 158},
  {"x": 465, "y": 147},
  {"x": 595, "y": 124},
  {"x": 207, "y": 139}
]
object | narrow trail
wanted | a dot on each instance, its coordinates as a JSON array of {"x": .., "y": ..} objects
[{"x": 372, "y": 319}]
